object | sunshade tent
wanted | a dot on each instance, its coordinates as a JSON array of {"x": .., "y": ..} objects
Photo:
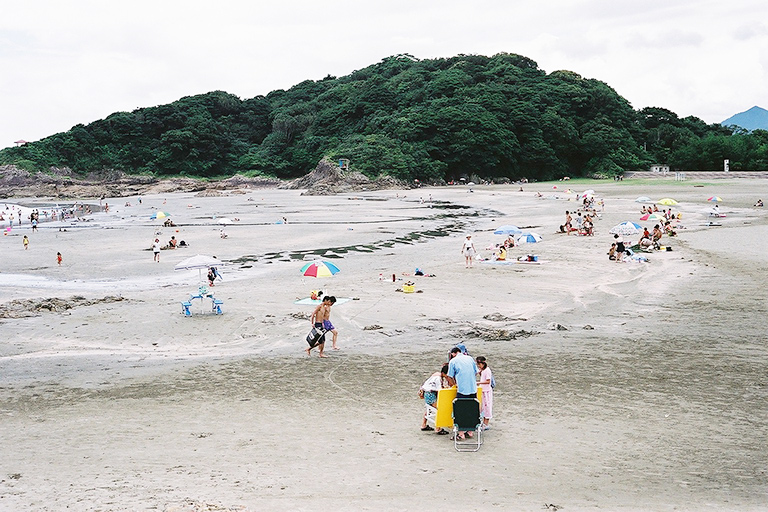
[
  {"x": 159, "y": 215},
  {"x": 626, "y": 228},
  {"x": 508, "y": 230},
  {"x": 667, "y": 201},
  {"x": 319, "y": 269},
  {"x": 528, "y": 238}
]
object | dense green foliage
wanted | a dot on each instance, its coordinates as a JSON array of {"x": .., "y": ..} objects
[{"x": 497, "y": 117}]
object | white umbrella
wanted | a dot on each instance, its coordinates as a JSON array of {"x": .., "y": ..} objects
[
  {"x": 224, "y": 220},
  {"x": 198, "y": 262},
  {"x": 643, "y": 199}
]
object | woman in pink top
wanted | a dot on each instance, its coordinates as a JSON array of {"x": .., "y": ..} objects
[{"x": 486, "y": 384}]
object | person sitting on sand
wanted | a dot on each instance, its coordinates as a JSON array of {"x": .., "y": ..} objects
[
  {"x": 644, "y": 210},
  {"x": 502, "y": 256},
  {"x": 612, "y": 252},
  {"x": 428, "y": 391},
  {"x": 223, "y": 234},
  {"x": 656, "y": 235},
  {"x": 668, "y": 229},
  {"x": 759, "y": 203},
  {"x": 172, "y": 243}
]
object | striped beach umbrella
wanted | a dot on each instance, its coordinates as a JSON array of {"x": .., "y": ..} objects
[
  {"x": 319, "y": 269},
  {"x": 528, "y": 238},
  {"x": 626, "y": 228}
]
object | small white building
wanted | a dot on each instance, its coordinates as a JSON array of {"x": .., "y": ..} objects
[{"x": 660, "y": 168}]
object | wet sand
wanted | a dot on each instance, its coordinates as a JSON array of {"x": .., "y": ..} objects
[{"x": 652, "y": 398}]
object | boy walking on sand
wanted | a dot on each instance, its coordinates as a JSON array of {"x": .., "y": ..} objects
[
  {"x": 322, "y": 318},
  {"x": 58, "y": 258}
]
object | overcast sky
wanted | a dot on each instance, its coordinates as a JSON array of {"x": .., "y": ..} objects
[{"x": 65, "y": 62}]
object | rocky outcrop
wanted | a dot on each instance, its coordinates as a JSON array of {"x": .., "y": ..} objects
[
  {"x": 328, "y": 179},
  {"x": 60, "y": 183}
]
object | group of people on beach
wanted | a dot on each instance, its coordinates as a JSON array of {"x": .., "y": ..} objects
[
  {"x": 467, "y": 374},
  {"x": 585, "y": 225}
]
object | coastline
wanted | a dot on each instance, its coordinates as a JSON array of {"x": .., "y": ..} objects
[{"x": 130, "y": 405}]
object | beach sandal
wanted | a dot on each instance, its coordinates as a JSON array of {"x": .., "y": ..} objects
[
  {"x": 442, "y": 432},
  {"x": 460, "y": 437},
  {"x": 427, "y": 428}
]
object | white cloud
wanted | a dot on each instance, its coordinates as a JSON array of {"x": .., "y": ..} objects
[{"x": 74, "y": 62}]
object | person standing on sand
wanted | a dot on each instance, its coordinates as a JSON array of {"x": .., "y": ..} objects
[
  {"x": 25, "y": 241},
  {"x": 58, "y": 258},
  {"x": 462, "y": 370},
  {"x": 486, "y": 383},
  {"x": 156, "y": 249},
  {"x": 468, "y": 249}
]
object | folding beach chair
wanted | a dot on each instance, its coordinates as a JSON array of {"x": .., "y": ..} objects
[{"x": 466, "y": 418}]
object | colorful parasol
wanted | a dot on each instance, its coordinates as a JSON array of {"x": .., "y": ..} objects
[{"x": 319, "y": 269}]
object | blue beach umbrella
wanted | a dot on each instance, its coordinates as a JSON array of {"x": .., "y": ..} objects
[
  {"x": 626, "y": 228},
  {"x": 528, "y": 238},
  {"x": 507, "y": 230}
]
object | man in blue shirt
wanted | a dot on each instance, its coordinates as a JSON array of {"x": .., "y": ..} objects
[{"x": 462, "y": 370}]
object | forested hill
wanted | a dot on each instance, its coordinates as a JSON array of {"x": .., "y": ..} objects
[{"x": 432, "y": 120}]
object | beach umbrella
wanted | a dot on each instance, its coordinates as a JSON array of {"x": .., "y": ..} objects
[
  {"x": 224, "y": 221},
  {"x": 667, "y": 201},
  {"x": 507, "y": 230},
  {"x": 528, "y": 238},
  {"x": 643, "y": 199},
  {"x": 652, "y": 216},
  {"x": 159, "y": 215},
  {"x": 587, "y": 193},
  {"x": 199, "y": 262},
  {"x": 319, "y": 269},
  {"x": 714, "y": 199},
  {"x": 626, "y": 228}
]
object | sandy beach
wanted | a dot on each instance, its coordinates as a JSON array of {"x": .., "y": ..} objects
[{"x": 621, "y": 386}]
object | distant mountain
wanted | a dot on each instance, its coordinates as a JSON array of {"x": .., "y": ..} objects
[{"x": 755, "y": 118}]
